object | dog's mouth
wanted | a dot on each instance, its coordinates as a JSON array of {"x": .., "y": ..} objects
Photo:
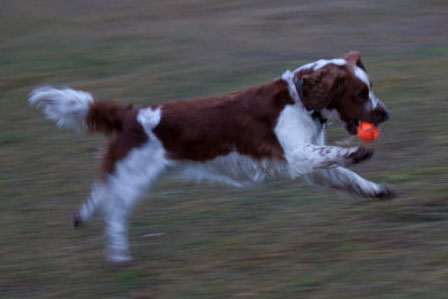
[{"x": 351, "y": 126}]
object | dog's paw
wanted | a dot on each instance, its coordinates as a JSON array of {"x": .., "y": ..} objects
[
  {"x": 76, "y": 219},
  {"x": 361, "y": 154},
  {"x": 386, "y": 192}
]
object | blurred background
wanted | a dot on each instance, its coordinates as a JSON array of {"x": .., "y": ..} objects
[{"x": 279, "y": 240}]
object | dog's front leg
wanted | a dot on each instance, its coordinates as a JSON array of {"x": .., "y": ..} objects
[
  {"x": 343, "y": 179},
  {"x": 308, "y": 158}
]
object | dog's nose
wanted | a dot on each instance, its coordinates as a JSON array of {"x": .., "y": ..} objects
[{"x": 379, "y": 115}]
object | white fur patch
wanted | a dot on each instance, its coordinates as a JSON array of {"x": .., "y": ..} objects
[
  {"x": 295, "y": 126},
  {"x": 362, "y": 75},
  {"x": 149, "y": 118},
  {"x": 294, "y": 130},
  {"x": 233, "y": 169},
  {"x": 373, "y": 101},
  {"x": 288, "y": 76},
  {"x": 316, "y": 65},
  {"x": 323, "y": 62},
  {"x": 67, "y": 107}
]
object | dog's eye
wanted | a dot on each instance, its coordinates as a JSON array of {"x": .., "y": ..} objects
[{"x": 364, "y": 93}]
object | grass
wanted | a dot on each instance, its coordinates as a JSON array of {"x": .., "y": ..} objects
[{"x": 279, "y": 240}]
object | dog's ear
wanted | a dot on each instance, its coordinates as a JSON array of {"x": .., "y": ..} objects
[
  {"x": 321, "y": 87},
  {"x": 354, "y": 57}
]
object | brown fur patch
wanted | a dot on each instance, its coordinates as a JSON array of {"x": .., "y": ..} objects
[
  {"x": 244, "y": 122},
  {"x": 322, "y": 86}
]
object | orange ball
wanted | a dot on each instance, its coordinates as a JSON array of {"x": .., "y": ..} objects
[{"x": 368, "y": 132}]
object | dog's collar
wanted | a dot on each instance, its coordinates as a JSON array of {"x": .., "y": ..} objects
[{"x": 298, "y": 83}]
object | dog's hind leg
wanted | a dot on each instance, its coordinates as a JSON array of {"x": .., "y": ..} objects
[
  {"x": 125, "y": 191},
  {"x": 131, "y": 178},
  {"x": 120, "y": 191}
]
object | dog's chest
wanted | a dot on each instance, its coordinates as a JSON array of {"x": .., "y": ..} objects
[{"x": 296, "y": 126}]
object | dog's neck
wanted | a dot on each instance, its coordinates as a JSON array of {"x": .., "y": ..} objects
[{"x": 296, "y": 92}]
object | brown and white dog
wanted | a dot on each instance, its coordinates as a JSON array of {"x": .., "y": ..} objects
[{"x": 273, "y": 130}]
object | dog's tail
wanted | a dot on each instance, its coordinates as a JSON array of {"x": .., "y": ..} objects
[{"x": 78, "y": 110}]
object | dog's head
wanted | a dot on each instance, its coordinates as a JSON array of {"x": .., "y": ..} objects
[{"x": 340, "y": 90}]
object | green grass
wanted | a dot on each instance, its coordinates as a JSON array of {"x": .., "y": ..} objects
[{"x": 279, "y": 240}]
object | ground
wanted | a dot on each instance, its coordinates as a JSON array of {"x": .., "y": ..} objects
[{"x": 279, "y": 240}]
